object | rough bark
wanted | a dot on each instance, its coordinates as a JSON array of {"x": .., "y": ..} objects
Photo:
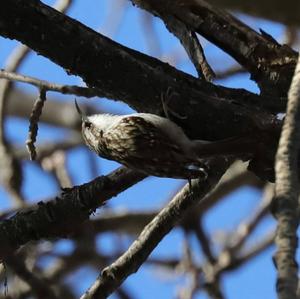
[
  {"x": 61, "y": 216},
  {"x": 270, "y": 64},
  {"x": 286, "y": 201},
  {"x": 212, "y": 112}
]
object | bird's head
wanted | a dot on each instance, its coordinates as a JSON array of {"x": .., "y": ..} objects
[
  {"x": 94, "y": 126},
  {"x": 88, "y": 128}
]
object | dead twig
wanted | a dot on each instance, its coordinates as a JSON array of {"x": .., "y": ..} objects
[
  {"x": 33, "y": 123},
  {"x": 45, "y": 85}
]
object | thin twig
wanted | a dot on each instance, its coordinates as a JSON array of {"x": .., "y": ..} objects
[
  {"x": 235, "y": 177},
  {"x": 33, "y": 123},
  {"x": 192, "y": 46},
  {"x": 39, "y": 286},
  {"x": 56, "y": 164},
  {"x": 231, "y": 35},
  {"x": 234, "y": 70},
  {"x": 246, "y": 228},
  {"x": 48, "y": 148},
  {"x": 204, "y": 241},
  {"x": 11, "y": 169},
  {"x": 190, "y": 268},
  {"x": 42, "y": 84},
  {"x": 229, "y": 262}
]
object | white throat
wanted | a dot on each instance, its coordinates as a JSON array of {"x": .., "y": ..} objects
[{"x": 104, "y": 121}]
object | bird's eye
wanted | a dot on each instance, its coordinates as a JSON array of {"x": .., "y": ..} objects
[{"x": 87, "y": 124}]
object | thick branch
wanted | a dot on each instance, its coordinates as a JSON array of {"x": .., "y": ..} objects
[
  {"x": 105, "y": 65},
  {"x": 270, "y": 64},
  {"x": 62, "y": 215}
]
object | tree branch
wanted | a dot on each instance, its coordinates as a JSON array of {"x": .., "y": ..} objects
[
  {"x": 190, "y": 42},
  {"x": 113, "y": 276},
  {"x": 285, "y": 202},
  {"x": 107, "y": 56},
  {"x": 62, "y": 215},
  {"x": 39, "y": 286},
  {"x": 103, "y": 64},
  {"x": 64, "y": 89},
  {"x": 11, "y": 168},
  {"x": 270, "y": 64},
  {"x": 57, "y": 113}
]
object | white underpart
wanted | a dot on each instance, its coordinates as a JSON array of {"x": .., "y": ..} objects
[{"x": 104, "y": 121}]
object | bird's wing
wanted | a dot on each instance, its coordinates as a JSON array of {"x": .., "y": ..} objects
[{"x": 135, "y": 137}]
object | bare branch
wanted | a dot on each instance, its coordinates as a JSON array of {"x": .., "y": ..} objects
[
  {"x": 245, "y": 229},
  {"x": 57, "y": 113},
  {"x": 33, "y": 123},
  {"x": 11, "y": 168},
  {"x": 204, "y": 241},
  {"x": 285, "y": 202},
  {"x": 229, "y": 262},
  {"x": 56, "y": 163},
  {"x": 206, "y": 112},
  {"x": 64, "y": 214},
  {"x": 46, "y": 149},
  {"x": 112, "y": 276},
  {"x": 234, "y": 70},
  {"x": 42, "y": 84},
  {"x": 235, "y": 109},
  {"x": 259, "y": 54},
  {"x": 138, "y": 64},
  {"x": 234, "y": 178},
  {"x": 39, "y": 286},
  {"x": 190, "y": 42}
]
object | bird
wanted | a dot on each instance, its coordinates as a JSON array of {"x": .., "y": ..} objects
[{"x": 151, "y": 144}]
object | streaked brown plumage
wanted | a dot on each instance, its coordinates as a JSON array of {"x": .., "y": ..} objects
[
  {"x": 155, "y": 145},
  {"x": 145, "y": 142}
]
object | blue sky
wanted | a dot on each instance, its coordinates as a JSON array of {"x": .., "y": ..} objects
[{"x": 253, "y": 280}]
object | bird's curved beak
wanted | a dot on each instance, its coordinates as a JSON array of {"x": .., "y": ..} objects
[{"x": 83, "y": 115}]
